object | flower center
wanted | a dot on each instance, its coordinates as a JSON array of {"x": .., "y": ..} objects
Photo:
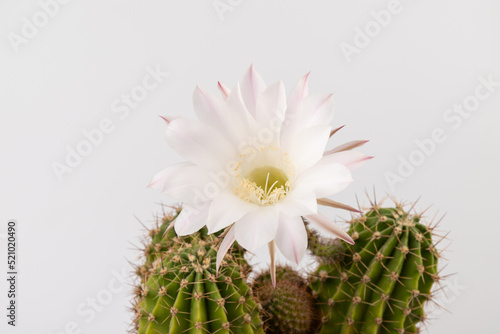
[
  {"x": 268, "y": 178},
  {"x": 263, "y": 176},
  {"x": 264, "y": 186}
]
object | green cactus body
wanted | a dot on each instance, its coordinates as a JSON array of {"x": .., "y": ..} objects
[
  {"x": 181, "y": 293},
  {"x": 383, "y": 281}
]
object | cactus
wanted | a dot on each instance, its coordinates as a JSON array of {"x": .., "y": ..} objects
[
  {"x": 325, "y": 250},
  {"x": 156, "y": 243},
  {"x": 180, "y": 292},
  {"x": 383, "y": 281},
  {"x": 160, "y": 238},
  {"x": 289, "y": 308}
]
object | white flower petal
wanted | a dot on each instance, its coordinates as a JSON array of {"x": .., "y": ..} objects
[
  {"x": 190, "y": 220},
  {"x": 316, "y": 109},
  {"x": 271, "y": 107},
  {"x": 199, "y": 143},
  {"x": 325, "y": 179},
  {"x": 330, "y": 226},
  {"x": 350, "y": 159},
  {"x": 292, "y": 122},
  {"x": 225, "y": 209},
  {"x": 258, "y": 227},
  {"x": 299, "y": 202},
  {"x": 307, "y": 146},
  {"x": 182, "y": 182},
  {"x": 291, "y": 237},
  {"x": 158, "y": 180},
  {"x": 240, "y": 116},
  {"x": 209, "y": 108},
  {"x": 224, "y": 247},
  {"x": 213, "y": 111},
  {"x": 252, "y": 86}
]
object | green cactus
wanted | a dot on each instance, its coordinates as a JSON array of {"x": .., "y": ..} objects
[
  {"x": 289, "y": 308},
  {"x": 156, "y": 243},
  {"x": 180, "y": 292},
  {"x": 326, "y": 250},
  {"x": 383, "y": 281},
  {"x": 159, "y": 240}
]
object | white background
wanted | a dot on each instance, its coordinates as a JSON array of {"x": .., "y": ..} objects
[{"x": 77, "y": 234}]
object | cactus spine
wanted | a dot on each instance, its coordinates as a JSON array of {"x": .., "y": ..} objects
[
  {"x": 181, "y": 293},
  {"x": 383, "y": 281}
]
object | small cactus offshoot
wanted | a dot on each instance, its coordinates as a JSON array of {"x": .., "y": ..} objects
[
  {"x": 325, "y": 249},
  {"x": 289, "y": 308}
]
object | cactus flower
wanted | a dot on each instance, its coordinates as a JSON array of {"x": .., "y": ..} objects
[{"x": 256, "y": 166}]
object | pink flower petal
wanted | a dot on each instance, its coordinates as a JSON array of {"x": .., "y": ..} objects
[
  {"x": 167, "y": 119},
  {"x": 330, "y": 226},
  {"x": 225, "y": 91},
  {"x": 334, "y": 131},
  {"x": 333, "y": 204},
  {"x": 347, "y": 146}
]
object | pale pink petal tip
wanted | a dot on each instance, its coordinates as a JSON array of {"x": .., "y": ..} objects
[
  {"x": 334, "y": 204},
  {"x": 348, "y": 240},
  {"x": 347, "y": 146},
  {"x": 165, "y": 118},
  {"x": 330, "y": 226},
  {"x": 225, "y": 91},
  {"x": 272, "y": 254},
  {"x": 334, "y": 131},
  {"x": 168, "y": 228},
  {"x": 306, "y": 76}
]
